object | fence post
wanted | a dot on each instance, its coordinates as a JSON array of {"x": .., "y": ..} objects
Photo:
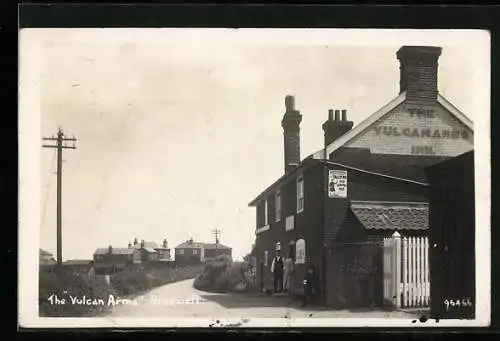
[
  {"x": 396, "y": 274},
  {"x": 404, "y": 303}
]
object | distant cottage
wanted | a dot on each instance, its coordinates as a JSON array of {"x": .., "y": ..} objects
[
  {"x": 151, "y": 251},
  {"x": 46, "y": 261},
  {"x": 112, "y": 259},
  {"x": 163, "y": 251},
  {"x": 76, "y": 265},
  {"x": 191, "y": 252}
]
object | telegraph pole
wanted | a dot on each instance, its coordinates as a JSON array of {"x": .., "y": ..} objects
[
  {"x": 216, "y": 232},
  {"x": 59, "y": 140}
]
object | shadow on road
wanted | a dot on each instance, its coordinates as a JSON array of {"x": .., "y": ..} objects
[
  {"x": 241, "y": 301},
  {"x": 232, "y": 301}
]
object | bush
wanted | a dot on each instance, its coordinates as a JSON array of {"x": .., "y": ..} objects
[{"x": 222, "y": 275}]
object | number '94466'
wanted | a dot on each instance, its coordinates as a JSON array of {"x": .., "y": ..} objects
[{"x": 457, "y": 303}]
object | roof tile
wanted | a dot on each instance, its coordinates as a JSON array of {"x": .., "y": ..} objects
[{"x": 388, "y": 216}]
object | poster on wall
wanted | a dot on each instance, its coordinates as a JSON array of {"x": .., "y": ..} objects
[{"x": 337, "y": 184}]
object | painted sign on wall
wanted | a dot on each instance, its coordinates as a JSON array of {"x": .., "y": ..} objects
[
  {"x": 409, "y": 130},
  {"x": 337, "y": 183}
]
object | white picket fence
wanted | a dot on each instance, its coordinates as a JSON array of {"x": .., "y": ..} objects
[{"x": 406, "y": 271}]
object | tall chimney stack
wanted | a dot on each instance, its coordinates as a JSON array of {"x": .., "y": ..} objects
[
  {"x": 335, "y": 128},
  {"x": 291, "y": 134},
  {"x": 419, "y": 73}
]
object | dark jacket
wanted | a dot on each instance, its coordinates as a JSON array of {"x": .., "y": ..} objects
[{"x": 311, "y": 283}]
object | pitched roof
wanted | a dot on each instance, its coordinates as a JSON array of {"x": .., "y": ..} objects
[
  {"x": 149, "y": 250},
  {"x": 341, "y": 141},
  {"x": 45, "y": 253},
  {"x": 216, "y": 246},
  {"x": 151, "y": 245},
  {"x": 115, "y": 251},
  {"x": 188, "y": 245},
  {"x": 392, "y": 216}
]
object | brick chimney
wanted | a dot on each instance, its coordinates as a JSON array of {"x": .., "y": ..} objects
[
  {"x": 142, "y": 243},
  {"x": 129, "y": 245},
  {"x": 419, "y": 73},
  {"x": 291, "y": 133},
  {"x": 135, "y": 241},
  {"x": 165, "y": 245},
  {"x": 335, "y": 127},
  {"x": 110, "y": 249}
]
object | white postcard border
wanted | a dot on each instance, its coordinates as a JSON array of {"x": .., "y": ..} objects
[{"x": 31, "y": 54}]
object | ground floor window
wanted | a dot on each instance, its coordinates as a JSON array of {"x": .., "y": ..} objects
[{"x": 300, "y": 251}]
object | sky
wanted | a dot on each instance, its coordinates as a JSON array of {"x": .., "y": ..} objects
[{"x": 179, "y": 130}]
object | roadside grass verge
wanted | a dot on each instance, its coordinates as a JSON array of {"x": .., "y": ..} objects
[{"x": 76, "y": 295}]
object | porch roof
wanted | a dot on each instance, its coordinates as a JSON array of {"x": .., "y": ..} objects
[{"x": 402, "y": 216}]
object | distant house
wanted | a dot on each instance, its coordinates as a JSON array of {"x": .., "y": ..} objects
[
  {"x": 76, "y": 265},
  {"x": 163, "y": 251},
  {"x": 211, "y": 251},
  {"x": 111, "y": 260},
  {"x": 46, "y": 258},
  {"x": 47, "y": 261},
  {"x": 191, "y": 252},
  {"x": 147, "y": 250}
]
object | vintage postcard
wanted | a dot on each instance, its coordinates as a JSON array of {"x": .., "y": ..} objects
[{"x": 254, "y": 178}]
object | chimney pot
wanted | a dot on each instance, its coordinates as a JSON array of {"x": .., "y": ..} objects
[
  {"x": 289, "y": 103},
  {"x": 344, "y": 115},
  {"x": 330, "y": 115},
  {"x": 337, "y": 115}
]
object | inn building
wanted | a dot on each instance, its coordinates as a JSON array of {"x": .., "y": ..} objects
[{"x": 366, "y": 182}]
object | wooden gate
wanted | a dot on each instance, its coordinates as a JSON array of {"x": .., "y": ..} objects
[
  {"x": 406, "y": 271},
  {"x": 452, "y": 241}
]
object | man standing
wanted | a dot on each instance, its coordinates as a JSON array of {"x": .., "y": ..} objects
[{"x": 277, "y": 270}]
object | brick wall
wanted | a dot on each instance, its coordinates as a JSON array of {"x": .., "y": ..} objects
[
  {"x": 291, "y": 137},
  {"x": 307, "y": 225},
  {"x": 406, "y": 131},
  {"x": 418, "y": 72}
]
